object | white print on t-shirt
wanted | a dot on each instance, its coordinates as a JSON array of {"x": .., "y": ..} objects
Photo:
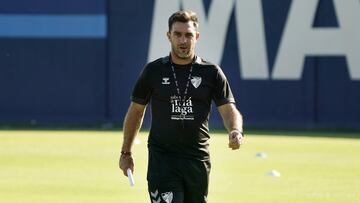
[
  {"x": 165, "y": 81},
  {"x": 196, "y": 81},
  {"x": 181, "y": 110},
  {"x": 167, "y": 197}
]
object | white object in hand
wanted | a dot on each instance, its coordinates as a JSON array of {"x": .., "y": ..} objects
[{"x": 131, "y": 177}]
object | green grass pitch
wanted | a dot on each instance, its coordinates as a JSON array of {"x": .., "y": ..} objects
[{"x": 82, "y": 166}]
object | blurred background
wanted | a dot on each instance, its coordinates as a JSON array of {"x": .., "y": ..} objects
[{"x": 73, "y": 63}]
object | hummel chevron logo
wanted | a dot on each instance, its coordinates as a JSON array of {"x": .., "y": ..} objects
[
  {"x": 165, "y": 81},
  {"x": 156, "y": 201},
  {"x": 154, "y": 196}
]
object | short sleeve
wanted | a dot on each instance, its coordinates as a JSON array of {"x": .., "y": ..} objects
[
  {"x": 222, "y": 92},
  {"x": 142, "y": 90}
]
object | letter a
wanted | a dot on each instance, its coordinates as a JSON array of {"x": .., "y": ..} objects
[{"x": 300, "y": 39}]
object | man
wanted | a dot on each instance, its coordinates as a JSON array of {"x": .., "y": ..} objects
[{"x": 180, "y": 88}]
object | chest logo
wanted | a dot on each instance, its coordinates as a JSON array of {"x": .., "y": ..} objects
[
  {"x": 165, "y": 81},
  {"x": 196, "y": 81}
]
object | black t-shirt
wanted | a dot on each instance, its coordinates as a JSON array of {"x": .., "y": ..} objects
[{"x": 181, "y": 127}]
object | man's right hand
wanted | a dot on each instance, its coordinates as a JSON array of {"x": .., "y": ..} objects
[{"x": 126, "y": 161}]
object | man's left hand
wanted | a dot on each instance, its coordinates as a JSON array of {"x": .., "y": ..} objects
[{"x": 235, "y": 139}]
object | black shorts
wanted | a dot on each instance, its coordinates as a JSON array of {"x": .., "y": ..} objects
[{"x": 177, "y": 180}]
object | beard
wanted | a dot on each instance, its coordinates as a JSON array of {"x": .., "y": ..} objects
[{"x": 182, "y": 54}]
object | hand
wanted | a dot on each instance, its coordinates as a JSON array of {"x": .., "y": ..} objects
[
  {"x": 125, "y": 162},
  {"x": 235, "y": 139}
]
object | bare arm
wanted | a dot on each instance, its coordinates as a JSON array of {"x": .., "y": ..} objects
[
  {"x": 132, "y": 124},
  {"x": 233, "y": 123}
]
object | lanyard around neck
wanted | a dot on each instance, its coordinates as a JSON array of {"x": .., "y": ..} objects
[{"x": 177, "y": 83}]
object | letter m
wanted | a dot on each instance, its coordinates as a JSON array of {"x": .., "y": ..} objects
[
  {"x": 215, "y": 22},
  {"x": 213, "y": 29}
]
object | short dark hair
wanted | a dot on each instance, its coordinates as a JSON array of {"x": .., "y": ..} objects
[{"x": 184, "y": 17}]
